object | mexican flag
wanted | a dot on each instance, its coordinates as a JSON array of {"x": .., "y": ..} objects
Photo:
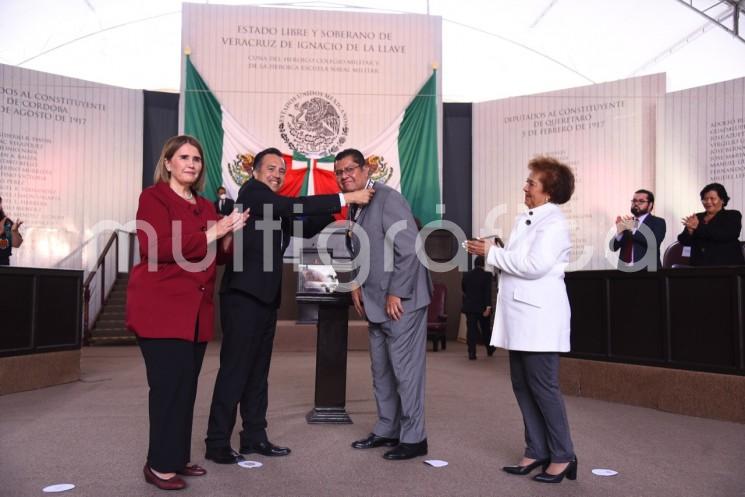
[
  {"x": 306, "y": 176},
  {"x": 404, "y": 156},
  {"x": 228, "y": 148}
]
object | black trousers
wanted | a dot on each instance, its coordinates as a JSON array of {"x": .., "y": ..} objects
[
  {"x": 248, "y": 327},
  {"x": 477, "y": 327},
  {"x": 535, "y": 381},
  {"x": 172, "y": 373}
]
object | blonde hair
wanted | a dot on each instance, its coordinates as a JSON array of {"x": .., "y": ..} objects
[{"x": 169, "y": 150}]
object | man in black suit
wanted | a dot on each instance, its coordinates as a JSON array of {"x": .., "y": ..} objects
[
  {"x": 223, "y": 204},
  {"x": 476, "y": 286},
  {"x": 638, "y": 237},
  {"x": 249, "y": 298}
]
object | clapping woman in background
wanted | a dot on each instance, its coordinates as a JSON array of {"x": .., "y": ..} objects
[{"x": 713, "y": 235}]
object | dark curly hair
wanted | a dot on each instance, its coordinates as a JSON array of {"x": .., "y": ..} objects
[{"x": 556, "y": 177}]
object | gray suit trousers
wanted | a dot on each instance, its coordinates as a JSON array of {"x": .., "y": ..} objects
[
  {"x": 397, "y": 357},
  {"x": 535, "y": 381}
]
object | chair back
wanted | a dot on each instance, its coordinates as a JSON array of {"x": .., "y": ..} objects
[{"x": 674, "y": 256}]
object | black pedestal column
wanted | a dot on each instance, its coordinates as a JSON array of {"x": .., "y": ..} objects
[{"x": 331, "y": 358}]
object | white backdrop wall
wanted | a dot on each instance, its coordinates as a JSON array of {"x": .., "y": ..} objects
[
  {"x": 70, "y": 157},
  {"x": 605, "y": 132},
  {"x": 256, "y": 59},
  {"x": 701, "y": 140}
]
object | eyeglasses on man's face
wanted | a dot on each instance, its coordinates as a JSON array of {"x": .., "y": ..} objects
[
  {"x": 346, "y": 171},
  {"x": 639, "y": 201}
]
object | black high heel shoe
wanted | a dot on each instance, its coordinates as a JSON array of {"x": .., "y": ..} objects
[
  {"x": 570, "y": 472},
  {"x": 524, "y": 470}
]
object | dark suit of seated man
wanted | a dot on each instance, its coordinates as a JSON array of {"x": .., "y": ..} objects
[
  {"x": 223, "y": 204},
  {"x": 249, "y": 298},
  {"x": 634, "y": 234}
]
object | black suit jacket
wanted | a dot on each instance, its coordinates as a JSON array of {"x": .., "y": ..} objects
[
  {"x": 658, "y": 227},
  {"x": 261, "y": 276},
  {"x": 476, "y": 285},
  {"x": 715, "y": 243},
  {"x": 227, "y": 208}
]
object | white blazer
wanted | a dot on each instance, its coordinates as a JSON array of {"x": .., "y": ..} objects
[{"x": 533, "y": 311}]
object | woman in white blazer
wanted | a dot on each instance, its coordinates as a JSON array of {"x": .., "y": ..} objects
[{"x": 532, "y": 317}]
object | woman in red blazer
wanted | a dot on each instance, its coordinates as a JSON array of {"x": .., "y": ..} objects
[{"x": 169, "y": 300}]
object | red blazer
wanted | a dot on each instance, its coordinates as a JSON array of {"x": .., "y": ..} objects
[{"x": 166, "y": 303}]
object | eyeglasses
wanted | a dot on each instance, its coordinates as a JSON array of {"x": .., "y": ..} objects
[
  {"x": 637, "y": 201},
  {"x": 347, "y": 170}
]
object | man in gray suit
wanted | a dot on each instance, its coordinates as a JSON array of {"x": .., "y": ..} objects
[{"x": 393, "y": 297}]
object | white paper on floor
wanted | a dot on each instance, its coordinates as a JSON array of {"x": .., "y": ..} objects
[
  {"x": 604, "y": 472},
  {"x": 436, "y": 463},
  {"x": 60, "y": 487},
  {"x": 250, "y": 464}
]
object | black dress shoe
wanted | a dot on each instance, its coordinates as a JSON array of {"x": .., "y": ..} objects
[
  {"x": 490, "y": 351},
  {"x": 570, "y": 472},
  {"x": 524, "y": 470},
  {"x": 265, "y": 449},
  {"x": 223, "y": 455},
  {"x": 407, "y": 451},
  {"x": 375, "y": 441}
]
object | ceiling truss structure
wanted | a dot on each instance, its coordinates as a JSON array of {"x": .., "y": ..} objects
[{"x": 728, "y": 14}]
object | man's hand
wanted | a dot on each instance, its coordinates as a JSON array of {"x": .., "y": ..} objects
[
  {"x": 393, "y": 307},
  {"x": 16, "y": 225},
  {"x": 360, "y": 197},
  {"x": 487, "y": 312},
  {"x": 624, "y": 223},
  {"x": 359, "y": 306}
]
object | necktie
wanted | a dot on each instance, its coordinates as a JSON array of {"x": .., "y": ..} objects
[
  {"x": 627, "y": 247},
  {"x": 353, "y": 211},
  {"x": 222, "y": 205}
]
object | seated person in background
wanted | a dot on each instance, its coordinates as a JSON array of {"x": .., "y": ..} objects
[
  {"x": 713, "y": 234},
  {"x": 632, "y": 237}
]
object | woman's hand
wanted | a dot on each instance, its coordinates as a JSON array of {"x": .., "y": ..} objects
[
  {"x": 17, "y": 238},
  {"x": 478, "y": 247},
  {"x": 691, "y": 223},
  {"x": 360, "y": 197},
  {"x": 229, "y": 224}
]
